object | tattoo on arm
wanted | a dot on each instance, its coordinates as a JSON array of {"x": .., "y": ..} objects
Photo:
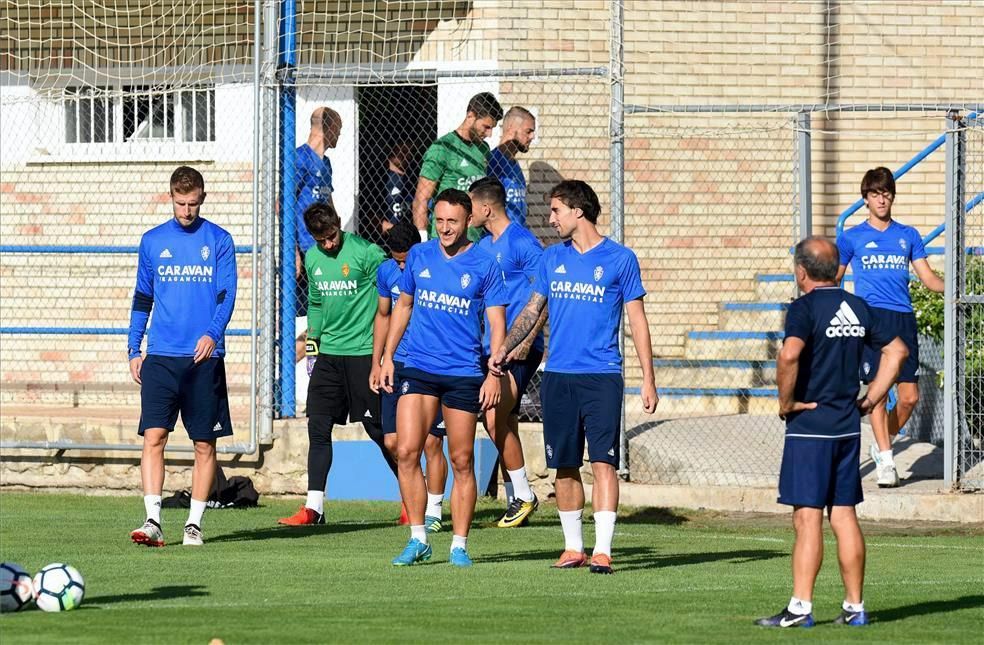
[{"x": 526, "y": 321}]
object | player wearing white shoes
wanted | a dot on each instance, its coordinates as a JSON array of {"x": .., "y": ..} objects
[
  {"x": 186, "y": 276},
  {"x": 584, "y": 282},
  {"x": 518, "y": 253},
  {"x": 446, "y": 285},
  {"x": 879, "y": 252}
]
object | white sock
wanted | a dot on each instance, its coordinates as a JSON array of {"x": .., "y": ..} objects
[
  {"x": 520, "y": 484},
  {"x": 570, "y": 521},
  {"x": 152, "y": 504},
  {"x": 434, "y": 505},
  {"x": 604, "y": 530},
  {"x": 418, "y": 532},
  {"x": 316, "y": 501},
  {"x": 510, "y": 491},
  {"x": 459, "y": 542},
  {"x": 853, "y": 608},
  {"x": 886, "y": 457},
  {"x": 195, "y": 513},
  {"x": 799, "y": 607}
]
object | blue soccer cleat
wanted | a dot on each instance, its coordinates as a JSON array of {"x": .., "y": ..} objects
[
  {"x": 786, "y": 618},
  {"x": 853, "y": 618},
  {"x": 459, "y": 557},
  {"x": 415, "y": 551},
  {"x": 432, "y": 524}
]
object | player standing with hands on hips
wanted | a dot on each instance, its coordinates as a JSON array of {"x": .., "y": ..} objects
[{"x": 186, "y": 275}]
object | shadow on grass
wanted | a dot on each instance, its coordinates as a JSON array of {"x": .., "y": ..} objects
[
  {"x": 924, "y": 608},
  {"x": 636, "y": 558},
  {"x": 653, "y": 515},
  {"x": 157, "y": 593},
  {"x": 290, "y": 532}
]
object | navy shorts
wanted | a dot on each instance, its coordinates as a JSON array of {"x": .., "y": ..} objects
[
  {"x": 903, "y": 325},
  {"x": 172, "y": 384},
  {"x": 821, "y": 472},
  {"x": 522, "y": 371},
  {"x": 458, "y": 392},
  {"x": 579, "y": 408},
  {"x": 390, "y": 400},
  {"x": 339, "y": 388}
]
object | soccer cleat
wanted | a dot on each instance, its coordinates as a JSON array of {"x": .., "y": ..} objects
[
  {"x": 150, "y": 534},
  {"x": 853, "y": 618},
  {"x": 786, "y": 618},
  {"x": 432, "y": 524},
  {"x": 888, "y": 477},
  {"x": 304, "y": 517},
  {"x": 415, "y": 551},
  {"x": 601, "y": 563},
  {"x": 192, "y": 535},
  {"x": 518, "y": 512},
  {"x": 459, "y": 557},
  {"x": 404, "y": 518},
  {"x": 570, "y": 560}
]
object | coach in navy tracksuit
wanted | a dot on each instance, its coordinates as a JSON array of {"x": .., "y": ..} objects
[{"x": 817, "y": 374}]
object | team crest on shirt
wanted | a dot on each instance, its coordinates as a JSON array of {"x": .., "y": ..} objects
[
  {"x": 205, "y": 252},
  {"x": 867, "y": 368},
  {"x": 498, "y": 257},
  {"x": 346, "y": 270},
  {"x": 465, "y": 280},
  {"x": 598, "y": 272},
  {"x": 902, "y": 243},
  {"x": 405, "y": 387},
  {"x": 549, "y": 450}
]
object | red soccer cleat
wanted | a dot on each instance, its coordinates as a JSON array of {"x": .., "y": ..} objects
[
  {"x": 570, "y": 560},
  {"x": 304, "y": 517},
  {"x": 404, "y": 518}
]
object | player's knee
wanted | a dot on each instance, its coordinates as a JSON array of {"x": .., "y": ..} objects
[
  {"x": 155, "y": 439},
  {"x": 204, "y": 449},
  {"x": 319, "y": 430},
  {"x": 909, "y": 399},
  {"x": 462, "y": 462},
  {"x": 407, "y": 454}
]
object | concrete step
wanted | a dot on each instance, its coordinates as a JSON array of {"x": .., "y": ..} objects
[
  {"x": 733, "y": 345},
  {"x": 683, "y": 373},
  {"x": 750, "y": 316},
  {"x": 781, "y": 287},
  {"x": 710, "y": 401}
]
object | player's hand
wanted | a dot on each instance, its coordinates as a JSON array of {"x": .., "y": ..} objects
[
  {"x": 386, "y": 375},
  {"x": 374, "y": 378},
  {"x": 136, "y": 364},
  {"x": 520, "y": 353},
  {"x": 311, "y": 353},
  {"x": 490, "y": 393},
  {"x": 650, "y": 399},
  {"x": 865, "y": 406},
  {"x": 786, "y": 409},
  {"x": 204, "y": 348},
  {"x": 497, "y": 363}
]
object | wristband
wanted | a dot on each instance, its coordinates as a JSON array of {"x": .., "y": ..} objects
[{"x": 311, "y": 347}]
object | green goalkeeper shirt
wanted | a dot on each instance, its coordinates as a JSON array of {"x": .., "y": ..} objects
[
  {"x": 455, "y": 163},
  {"x": 342, "y": 295}
]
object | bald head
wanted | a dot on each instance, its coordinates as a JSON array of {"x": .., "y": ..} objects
[
  {"x": 328, "y": 124},
  {"x": 819, "y": 258}
]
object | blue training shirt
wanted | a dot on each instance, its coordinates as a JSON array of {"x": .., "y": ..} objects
[
  {"x": 518, "y": 253},
  {"x": 585, "y": 294},
  {"x": 187, "y": 277},
  {"x": 449, "y": 297},
  {"x": 835, "y": 326},
  {"x": 399, "y": 197},
  {"x": 510, "y": 174},
  {"x": 388, "y": 277},
  {"x": 880, "y": 262},
  {"x": 313, "y": 185}
]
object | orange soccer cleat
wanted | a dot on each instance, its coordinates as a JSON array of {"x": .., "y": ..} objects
[
  {"x": 570, "y": 560},
  {"x": 304, "y": 517}
]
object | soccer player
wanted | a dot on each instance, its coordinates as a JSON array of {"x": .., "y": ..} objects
[
  {"x": 401, "y": 238},
  {"x": 341, "y": 272},
  {"x": 446, "y": 285},
  {"x": 518, "y": 253},
  {"x": 817, "y": 373},
  {"x": 456, "y": 160},
  {"x": 314, "y": 172},
  {"x": 879, "y": 252},
  {"x": 186, "y": 275},
  {"x": 584, "y": 282},
  {"x": 399, "y": 191},
  {"x": 518, "y": 132}
]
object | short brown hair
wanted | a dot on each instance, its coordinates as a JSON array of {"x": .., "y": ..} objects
[
  {"x": 186, "y": 179},
  {"x": 578, "y": 194},
  {"x": 878, "y": 180},
  {"x": 321, "y": 219}
]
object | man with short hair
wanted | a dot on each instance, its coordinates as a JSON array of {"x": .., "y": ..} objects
[
  {"x": 314, "y": 171},
  {"x": 186, "y": 276},
  {"x": 584, "y": 282},
  {"x": 399, "y": 192},
  {"x": 456, "y": 160},
  {"x": 879, "y": 252},
  {"x": 446, "y": 285},
  {"x": 341, "y": 272},
  {"x": 826, "y": 332},
  {"x": 518, "y": 132},
  {"x": 518, "y": 253}
]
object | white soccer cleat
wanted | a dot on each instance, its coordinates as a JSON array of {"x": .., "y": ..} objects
[
  {"x": 150, "y": 534},
  {"x": 192, "y": 536},
  {"x": 888, "y": 477}
]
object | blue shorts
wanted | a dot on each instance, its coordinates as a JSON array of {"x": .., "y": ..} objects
[
  {"x": 821, "y": 472},
  {"x": 389, "y": 407},
  {"x": 172, "y": 384},
  {"x": 522, "y": 371},
  {"x": 579, "y": 407},
  {"x": 903, "y": 325},
  {"x": 458, "y": 392}
]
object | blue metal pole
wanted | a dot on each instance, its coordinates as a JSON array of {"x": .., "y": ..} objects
[{"x": 286, "y": 62}]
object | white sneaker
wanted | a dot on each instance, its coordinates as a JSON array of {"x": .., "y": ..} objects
[
  {"x": 888, "y": 477},
  {"x": 192, "y": 536},
  {"x": 150, "y": 534}
]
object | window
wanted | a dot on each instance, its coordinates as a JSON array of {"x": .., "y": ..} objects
[{"x": 95, "y": 115}]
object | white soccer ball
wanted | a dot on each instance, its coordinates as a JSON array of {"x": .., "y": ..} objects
[
  {"x": 59, "y": 587},
  {"x": 16, "y": 587}
]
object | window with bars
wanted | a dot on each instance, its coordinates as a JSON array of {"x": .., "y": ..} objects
[{"x": 95, "y": 115}]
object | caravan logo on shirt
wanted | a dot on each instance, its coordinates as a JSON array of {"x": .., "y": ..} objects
[
  {"x": 576, "y": 290},
  {"x": 440, "y": 301}
]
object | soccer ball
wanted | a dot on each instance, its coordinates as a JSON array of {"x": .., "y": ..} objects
[
  {"x": 16, "y": 588},
  {"x": 59, "y": 587}
]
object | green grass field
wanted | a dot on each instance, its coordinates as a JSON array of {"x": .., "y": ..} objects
[{"x": 680, "y": 577}]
